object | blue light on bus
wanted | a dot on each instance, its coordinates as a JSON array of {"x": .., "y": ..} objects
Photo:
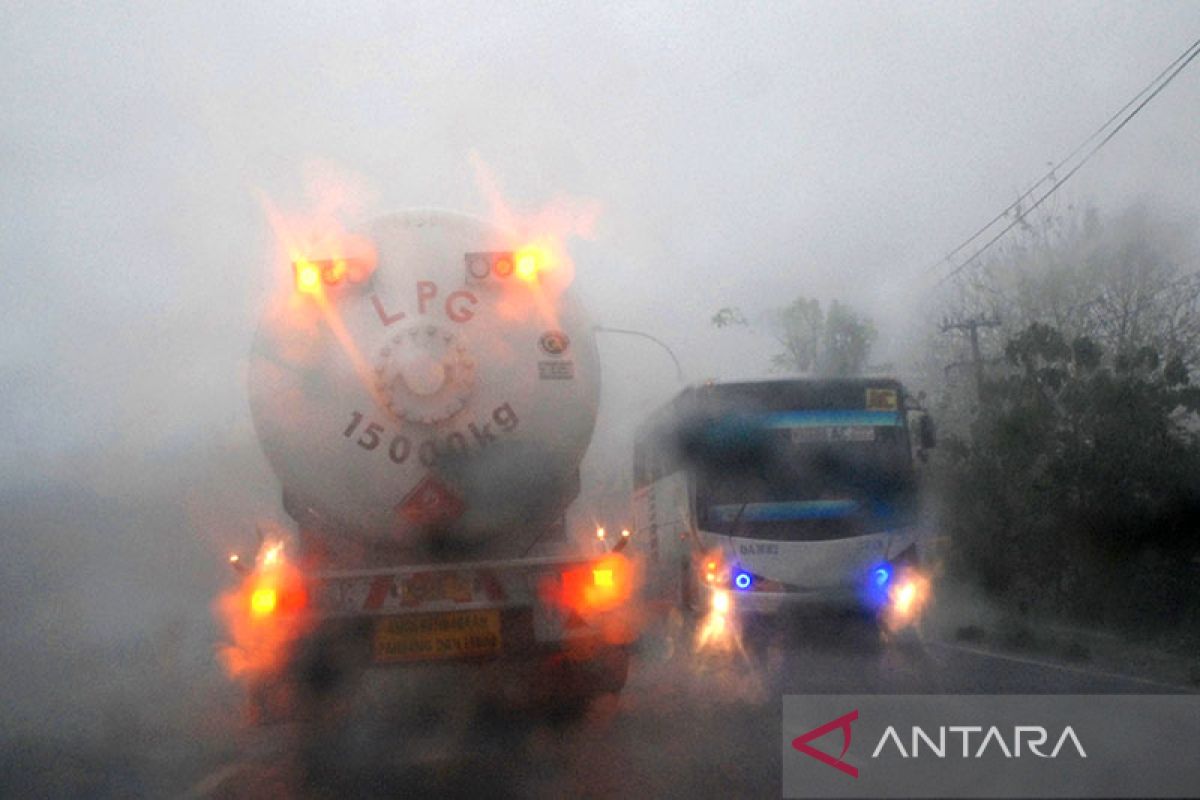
[
  {"x": 877, "y": 582},
  {"x": 742, "y": 580}
]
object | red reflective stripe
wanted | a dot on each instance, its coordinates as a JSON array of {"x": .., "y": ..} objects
[
  {"x": 380, "y": 587},
  {"x": 492, "y": 587}
]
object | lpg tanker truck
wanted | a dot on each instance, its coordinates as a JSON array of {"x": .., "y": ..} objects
[{"x": 425, "y": 390}]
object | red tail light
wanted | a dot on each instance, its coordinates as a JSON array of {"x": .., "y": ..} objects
[{"x": 600, "y": 586}]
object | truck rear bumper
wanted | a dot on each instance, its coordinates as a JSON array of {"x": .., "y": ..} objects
[{"x": 338, "y": 655}]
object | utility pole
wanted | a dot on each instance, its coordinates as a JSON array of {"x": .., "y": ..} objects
[{"x": 972, "y": 326}]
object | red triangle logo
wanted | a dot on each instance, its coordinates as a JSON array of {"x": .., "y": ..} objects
[
  {"x": 801, "y": 743},
  {"x": 431, "y": 502}
]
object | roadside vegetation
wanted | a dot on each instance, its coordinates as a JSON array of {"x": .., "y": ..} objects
[
  {"x": 833, "y": 343},
  {"x": 1069, "y": 470}
]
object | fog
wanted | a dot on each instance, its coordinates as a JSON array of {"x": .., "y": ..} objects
[{"x": 734, "y": 155}]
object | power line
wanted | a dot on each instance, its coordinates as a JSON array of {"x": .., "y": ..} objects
[
  {"x": 1194, "y": 51},
  {"x": 1177, "y": 66},
  {"x": 1054, "y": 169}
]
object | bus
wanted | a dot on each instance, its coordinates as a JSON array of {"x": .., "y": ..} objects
[{"x": 778, "y": 493}]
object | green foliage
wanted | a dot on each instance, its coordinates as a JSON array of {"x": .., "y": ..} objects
[
  {"x": 835, "y": 344},
  {"x": 798, "y": 328},
  {"x": 728, "y": 316},
  {"x": 849, "y": 338},
  {"x": 1120, "y": 281},
  {"x": 1072, "y": 476},
  {"x": 1076, "y": 466}
]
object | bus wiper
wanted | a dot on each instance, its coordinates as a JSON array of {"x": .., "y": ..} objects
[{"x": 735, "y": 526}]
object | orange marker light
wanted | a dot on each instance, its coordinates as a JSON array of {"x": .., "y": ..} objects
[
  {"x": 602, "y": 577},
  {"x": 308, "y": 277},
  {"x": 527, "y": 266},
  {"x": 335, "y": 271},
  {"x": 263, "y": 601}
]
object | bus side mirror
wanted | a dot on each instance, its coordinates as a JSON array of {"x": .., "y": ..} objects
[{"x": 926, "y": 433}]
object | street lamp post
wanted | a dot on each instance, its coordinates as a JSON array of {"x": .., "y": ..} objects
[{"x": 659, "y": 342}]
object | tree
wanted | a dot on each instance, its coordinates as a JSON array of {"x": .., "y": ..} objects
[
  {"x": 799, "y": 329},
  {"x": 1071, "y": 483},
  {"x": 728, "y": 316},
  {"x": 1117, "y": 281},
  {"x": 835, "y": 344},
  {"x": 1078, "y": 466},
  {"x": 848, "y": 339}
]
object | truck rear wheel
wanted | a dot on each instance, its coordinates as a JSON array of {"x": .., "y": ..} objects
[
  {"x": 611, "y": 671},
  {"x": 569, "y": 686}
]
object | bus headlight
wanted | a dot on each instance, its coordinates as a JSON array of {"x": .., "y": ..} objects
[
  {"x": 908, "y": 596},
  {"x": 877, "y": 584}
]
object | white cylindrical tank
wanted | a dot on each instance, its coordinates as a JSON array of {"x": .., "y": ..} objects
[{"x": 429, "y": 379}]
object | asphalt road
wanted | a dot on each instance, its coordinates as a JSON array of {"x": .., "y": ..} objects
[{"x": 688, "y": 724}]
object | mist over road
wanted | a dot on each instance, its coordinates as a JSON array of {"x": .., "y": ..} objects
[
  {"x": 687, "y": 725},
  {"x": 731, "y": 158},
  {"x": 113, "y": 688}
]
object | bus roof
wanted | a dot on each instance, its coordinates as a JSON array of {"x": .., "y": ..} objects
[{"x": 780, "y": 393}]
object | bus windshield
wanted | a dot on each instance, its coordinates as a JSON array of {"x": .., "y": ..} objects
[{"x": 814, "y": 474}]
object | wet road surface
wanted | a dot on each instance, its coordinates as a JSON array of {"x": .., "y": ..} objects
[{"x": 688, "y": 724}]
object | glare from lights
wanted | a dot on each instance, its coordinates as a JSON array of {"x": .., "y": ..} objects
[
  {"x": 272, "y": 555},
  {"x": 600, "y": 534},
  {"x": 908, "y": 595},
  {"x": 602, "y": 577},
  {"x": 718, "y": 631},
  {"x": 881, "y": 575},
  {"x": 625, "y": 533},
  {"x": 527, "y": 268},
  {"x": 720, "y": 602},
  {"x": 263, "y": 601},
  {"x": 336, "y": 271},
  {"x": 743, "y": 580},
  {"x": 308, "y": 277},
  {"x": 357, "y": 271}
]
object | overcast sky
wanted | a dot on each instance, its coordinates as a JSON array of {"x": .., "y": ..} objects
[{"x": 740, "y": 154}]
